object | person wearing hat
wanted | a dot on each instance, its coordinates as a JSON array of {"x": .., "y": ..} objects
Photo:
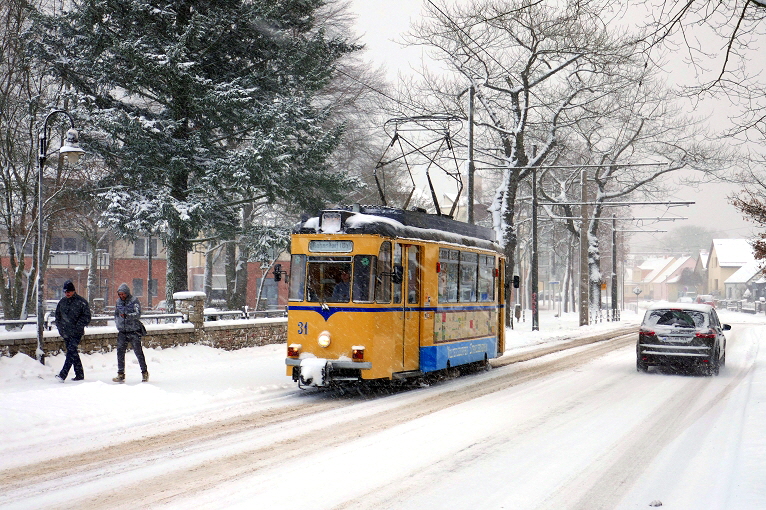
[
  {"x": 127, "y": 312},
  {"x": 72, "y": 315}
]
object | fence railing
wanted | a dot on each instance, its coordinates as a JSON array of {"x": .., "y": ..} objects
[
  {"x": 159, "y": 318},
  {"x": 76, "y": 259}
]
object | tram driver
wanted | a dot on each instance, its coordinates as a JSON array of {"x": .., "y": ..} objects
[{"x": 342, "y": 289}]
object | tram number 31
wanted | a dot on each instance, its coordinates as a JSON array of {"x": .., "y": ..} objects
[{"x": 303, "y": 328}]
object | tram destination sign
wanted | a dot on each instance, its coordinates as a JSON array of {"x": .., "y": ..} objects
[{"x": 331, "y": 246}]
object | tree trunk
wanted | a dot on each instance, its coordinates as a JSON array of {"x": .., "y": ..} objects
[
  {"x": 93, "y": 274},
  {"x": 177, "y": 280},
  {"x": 230, "y": 269},
  {"x": 239, "y": 299},
  {"x": 208, "y": 277}
]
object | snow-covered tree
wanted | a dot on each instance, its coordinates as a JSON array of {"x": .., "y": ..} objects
[
  {"x": 198, "y": 108},
  {"x": 26, "y": 96},
  {"x": 629, "y": 142},
  {"x": 532, "y": 65}
]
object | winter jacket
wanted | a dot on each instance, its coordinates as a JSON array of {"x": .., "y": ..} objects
[
  {"x": 72, "y": 315},
  {"x": 126, "y": 314}
]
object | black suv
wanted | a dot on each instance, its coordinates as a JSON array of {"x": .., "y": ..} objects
[{"x": 682, "y": 334}]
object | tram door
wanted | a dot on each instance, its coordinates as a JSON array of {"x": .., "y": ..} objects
[
  {"x": 408, "y": 295},
  {"x": 500, "y": 293}
]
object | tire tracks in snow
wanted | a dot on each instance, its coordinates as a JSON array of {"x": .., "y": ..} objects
[
  {"x": 98, "y": 466},
  {"x": 101, "y": 459},
  {"x": 604, "y": 487}
]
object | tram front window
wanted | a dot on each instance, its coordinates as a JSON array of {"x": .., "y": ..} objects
[{"x": 328, "y": 279}]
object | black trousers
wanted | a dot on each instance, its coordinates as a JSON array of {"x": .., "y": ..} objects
[
  {"x": 72, "y": 358},
  {"x": 134, "y": 337}
]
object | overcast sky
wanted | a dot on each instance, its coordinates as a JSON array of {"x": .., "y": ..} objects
[{"x": 380, "y": 22}]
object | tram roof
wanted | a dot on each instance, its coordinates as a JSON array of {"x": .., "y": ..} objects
[{"x": 391, "y": 222}]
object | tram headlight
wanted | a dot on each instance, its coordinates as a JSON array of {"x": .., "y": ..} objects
[
  {"x": 294, "y": 350},
  {"x": 357, "y": 352},
  {"x": 324, "y": 339}
]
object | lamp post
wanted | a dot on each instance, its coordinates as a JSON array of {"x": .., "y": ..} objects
[{"x": 71, "y": 149}]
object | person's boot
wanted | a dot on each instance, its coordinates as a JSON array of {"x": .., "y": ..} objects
[
  {"x": 145, "y": 377},
  {"x": 120, "y": 377}
]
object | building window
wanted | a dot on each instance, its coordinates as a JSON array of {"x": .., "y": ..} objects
[
  {"x": 138, "y": 287},
  {"x": 69, "y": 244},
  {"x": 139, "y": 247},
  {"x": 28, "y": 249}
]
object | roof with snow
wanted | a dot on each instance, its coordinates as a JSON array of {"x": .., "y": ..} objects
[
  {"x": 671, "y": 273},
  {"x": 655, "y": 263},
  {"x": 655, "y": 267},
  {"x": 732, "y": 252},
  {"x": 745, "y": 273},
  {"x": 703, "y": 257}
]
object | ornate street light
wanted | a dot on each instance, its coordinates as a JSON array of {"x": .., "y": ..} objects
[{"x": 71, "y": 149}]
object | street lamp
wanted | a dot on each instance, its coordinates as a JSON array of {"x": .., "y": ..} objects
[{"x": 71, "y": 149}]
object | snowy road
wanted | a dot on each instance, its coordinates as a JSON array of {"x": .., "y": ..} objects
[{"x": 575, "y": 429}]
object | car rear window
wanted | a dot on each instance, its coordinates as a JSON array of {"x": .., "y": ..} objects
[{"x": 676, "y": 318}]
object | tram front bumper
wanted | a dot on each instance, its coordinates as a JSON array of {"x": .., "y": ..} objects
[{"x": 322, "y": 372}]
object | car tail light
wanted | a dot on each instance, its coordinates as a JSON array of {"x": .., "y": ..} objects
[
  {"x": 708, "y": 334},
  {"x": 293, "y": 350},
  {"x": 645, "y": 332},
  {"x": 357, "y": 353}
]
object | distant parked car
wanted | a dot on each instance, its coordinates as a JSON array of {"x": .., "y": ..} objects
[
  {"x": 685, "y": 299},
  {"x": 706, "y": 299},
  {"x": 682, "y": 334},
  {"x": 161, "y": 307}
]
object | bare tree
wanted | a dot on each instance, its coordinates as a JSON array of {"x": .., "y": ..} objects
[
  {"x": 629, "y": 142},
  {"x": 533, "y": 67},
  {"x": 722, "y": 40},
  {"x": 26, "y": 95}
]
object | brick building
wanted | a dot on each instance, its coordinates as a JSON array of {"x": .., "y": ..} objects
[{"x": 124, "y": 261}]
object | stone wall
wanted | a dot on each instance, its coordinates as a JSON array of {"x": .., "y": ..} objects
[{"x": 229, "y": 335}]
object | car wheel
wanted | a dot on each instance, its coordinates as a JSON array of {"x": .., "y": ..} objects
[
  {"x": 641, "y": 366},
  {"x": 723, "y": 358},
  {"x": 715, "y": 365}
]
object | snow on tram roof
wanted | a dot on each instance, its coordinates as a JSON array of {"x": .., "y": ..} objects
[{"x": 406, "y": 224}]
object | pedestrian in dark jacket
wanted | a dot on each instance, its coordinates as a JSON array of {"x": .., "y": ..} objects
[
  {"x": 127, "y": 312},
  {"x": 72, "y": 315}
]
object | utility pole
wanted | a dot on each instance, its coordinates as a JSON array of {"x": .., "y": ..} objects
[
  {"x": 149, "y": 271},
  {"x": 535, "y": 279},
  {"x": 584, "y": 280},
  {"x": 471, "y": 166},
  {"x": 615, "y": 309}
]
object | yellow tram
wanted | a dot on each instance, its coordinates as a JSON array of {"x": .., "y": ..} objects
[{"x": 377, "y": 293}]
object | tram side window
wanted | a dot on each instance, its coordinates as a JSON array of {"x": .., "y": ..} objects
[
  {"x": 486, "y": 267},
  {"x": 397, "y": 261},
  {"x": 469, "y": 264},
  {"x": 448, "y": 275},
  {"x": 297, "y": 278},
  {"x": 383, "y": 282},
  {"x": 413, "y": 275},
  {"x": 364, "y": 275}
]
